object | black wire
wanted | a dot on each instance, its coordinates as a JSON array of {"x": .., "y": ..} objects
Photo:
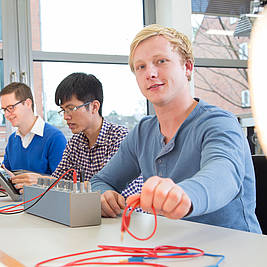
[
  {"x": 4, "y": 194},
  {"x": 82, "y": 176},
  {"x": 17, "y": 212}
]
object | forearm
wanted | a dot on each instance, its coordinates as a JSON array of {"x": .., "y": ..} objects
[{"x": 212, "y": 187}]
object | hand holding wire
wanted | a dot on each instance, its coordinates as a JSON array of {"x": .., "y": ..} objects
[{"x": 167, "y": 198}]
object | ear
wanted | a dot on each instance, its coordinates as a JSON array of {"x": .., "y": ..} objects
[
  {"x": 28, "y": 102},
  {"x": 95, "y": 106},
  {"x": 188, "y": 69}
]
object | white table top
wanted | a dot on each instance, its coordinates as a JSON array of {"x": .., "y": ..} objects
[{"x": 30, "y": 239}]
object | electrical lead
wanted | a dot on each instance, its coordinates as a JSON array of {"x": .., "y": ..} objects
[{"x": 82, "y": 181}]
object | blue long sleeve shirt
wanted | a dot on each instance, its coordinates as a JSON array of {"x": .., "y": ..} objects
[
  {"x": 42, "y": 155},
  {"x": 208, "y": 157}
]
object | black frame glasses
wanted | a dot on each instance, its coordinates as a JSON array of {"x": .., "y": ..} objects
[
  {"x": 69, "y": 110},
  {"x": 11, "y": 108}
]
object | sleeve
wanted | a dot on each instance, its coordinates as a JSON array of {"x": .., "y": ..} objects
[
  {"x": 222, "y": 166},
  {"x": 6, "y": 161},
  {"x": 120, "y": 170},
  {"x": 57, "y": 146}
]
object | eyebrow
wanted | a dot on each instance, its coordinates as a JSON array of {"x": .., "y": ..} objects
[
  {"x": 8, "y": 106},
  {"x": 69, "y": 105},
  {"x": 153, "y": 57}
]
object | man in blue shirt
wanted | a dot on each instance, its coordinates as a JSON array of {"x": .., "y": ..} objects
[
  {"x": 35, "y": 146},
  {"x": 194, "y": 158}
]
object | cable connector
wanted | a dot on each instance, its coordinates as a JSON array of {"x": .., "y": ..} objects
[
  {"x": 74, "y": 187},
  {"x": 133, "y": 259},
  {"x": 74, "y": 181},
  {"x": 82, "y": 181},
  {"x": 89, "y": 189}
]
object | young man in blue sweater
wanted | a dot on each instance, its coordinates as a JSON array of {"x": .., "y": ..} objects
[
  {"x": 35, "y": 146},
  {"x": 194, "y": 157}
]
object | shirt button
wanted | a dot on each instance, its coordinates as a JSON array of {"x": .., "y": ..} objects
[{"x": 159, "y": 160}]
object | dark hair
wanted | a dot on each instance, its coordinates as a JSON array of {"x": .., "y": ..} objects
[
  {"x": 21, "y": 90},
  {"x": 86, "y": 87}
]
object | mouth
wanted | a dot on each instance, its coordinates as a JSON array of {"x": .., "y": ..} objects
[
  {"x": 11, "y": 119},
  {"x": 71, "y": 125},
  {"x": 155, "y": 86}
]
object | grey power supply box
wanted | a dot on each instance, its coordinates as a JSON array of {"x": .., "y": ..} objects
[{"x": 74, "y": 209}]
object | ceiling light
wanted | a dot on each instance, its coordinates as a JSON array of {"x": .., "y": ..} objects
[{"x": 220, "y": 32}]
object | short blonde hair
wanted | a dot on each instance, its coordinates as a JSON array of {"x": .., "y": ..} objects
[{"x": 178, "y": 40}]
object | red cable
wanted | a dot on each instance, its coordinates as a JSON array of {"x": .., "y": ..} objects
[
  {"x": 145, "y": 253},
  {"x": 8, "y": 209},
  {"x": 126, "y": 220}
]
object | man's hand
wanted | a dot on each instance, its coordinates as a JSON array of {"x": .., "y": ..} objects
[
  {"x": 111, "y": 204},
  {"x": 165, "y": 196},
  {"x": 24, "y": 179}
]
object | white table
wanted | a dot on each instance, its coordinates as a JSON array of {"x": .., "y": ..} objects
[{"x": 30, "y": 239}]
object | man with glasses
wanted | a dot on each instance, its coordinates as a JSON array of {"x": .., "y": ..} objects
[
  {"x": 35, "y": 146},
  {"x": 95, "y": 140}
]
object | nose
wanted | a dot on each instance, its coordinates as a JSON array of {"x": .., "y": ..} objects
[
  {"x": 7, "y": 114},
  {"x": 67, "y": 116},
  {"x": 151, "y": 72}
]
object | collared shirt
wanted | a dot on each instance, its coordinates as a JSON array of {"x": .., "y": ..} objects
[
  {"x": 82, "y": 158},
  {"x": 42, "y": 155},
  {"x": 38, "y": 128},
  {"x": 208, "y": 157}
]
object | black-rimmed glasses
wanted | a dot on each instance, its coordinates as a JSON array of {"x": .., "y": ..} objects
[
  {"x": 69, "y": 110},
  {"x": 11, "y": 108}
]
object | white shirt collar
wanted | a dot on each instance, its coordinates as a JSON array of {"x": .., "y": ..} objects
[{"x": 38, "y": 127}]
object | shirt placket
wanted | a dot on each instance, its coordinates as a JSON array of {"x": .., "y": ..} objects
[{"x": 162, "y": 159}]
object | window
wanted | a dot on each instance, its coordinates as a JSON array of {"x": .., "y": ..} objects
[
  {"x": 123, "y": 102},
  {"x": 243, "y": 51},
  {"x": 87, "y": 36},
  {"x": 220, "y": 75},
  {"x": 222, "y": 87},
  {"x": 213, "y": 38},
  {"x": 88, "y": 26}
]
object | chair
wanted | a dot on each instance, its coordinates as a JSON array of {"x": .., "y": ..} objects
[{"x": 260, "y": 167}]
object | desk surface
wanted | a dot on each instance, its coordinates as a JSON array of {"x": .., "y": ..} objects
[{"x": 30, "y": 239}]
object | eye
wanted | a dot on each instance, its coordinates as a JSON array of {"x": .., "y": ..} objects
[
  {"x": 69, "y": 109},
  {"x": 10, "y": 108},
  {"x": 139, "y": 67},
  {"x": 163, "y": 60}
]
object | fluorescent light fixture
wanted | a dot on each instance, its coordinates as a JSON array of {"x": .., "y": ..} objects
[{"x": 220, "y": 32}]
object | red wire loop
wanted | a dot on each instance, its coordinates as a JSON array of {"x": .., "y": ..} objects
[{"x": 127, "y": 218}]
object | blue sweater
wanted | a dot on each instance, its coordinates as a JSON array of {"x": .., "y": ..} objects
[
  {"x": 42, "y": 155},
  {"x": 209, "y": 158}
]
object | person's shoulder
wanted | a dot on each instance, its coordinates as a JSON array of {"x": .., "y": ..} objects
[
  {"x": 211, "y": 115},
  {"x": 147, "y": 122},
  {"x": 114, "y": 128},
  {"x": 212, "y": 111},
  {"x": 12, "y": 137},
  {"x": 50, "y": 130}
]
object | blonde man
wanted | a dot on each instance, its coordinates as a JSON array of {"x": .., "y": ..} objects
[{"x": 194, "y": 158}]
